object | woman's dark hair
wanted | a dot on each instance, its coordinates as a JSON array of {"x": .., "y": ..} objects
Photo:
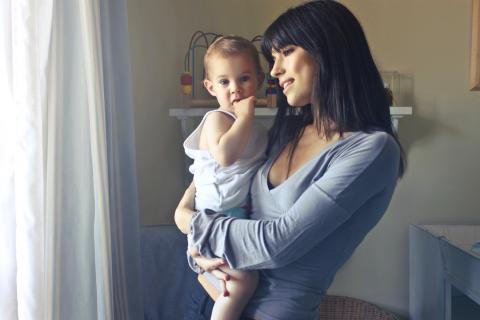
[{"x": 348, "y": 92}]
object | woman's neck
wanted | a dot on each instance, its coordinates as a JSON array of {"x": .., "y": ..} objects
[{"x": 315, "y": 130}]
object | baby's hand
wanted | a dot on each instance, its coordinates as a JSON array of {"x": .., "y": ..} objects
[{"x": 245, "y": 107}]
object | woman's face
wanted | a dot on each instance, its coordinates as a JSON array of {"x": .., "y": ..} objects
[{"x": 295, "y": 69}]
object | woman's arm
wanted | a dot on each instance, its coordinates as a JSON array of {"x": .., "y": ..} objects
[
  {"x": 367, "y": 171},
  {"x": 184, "y": 211}
]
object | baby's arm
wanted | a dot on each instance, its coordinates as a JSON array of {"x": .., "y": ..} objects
[{"x": 226, "y": 141}]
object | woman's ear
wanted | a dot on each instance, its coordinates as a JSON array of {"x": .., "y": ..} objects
[
  {"x": 260, "y": 79},
  {"x": 209, "y": 86}
]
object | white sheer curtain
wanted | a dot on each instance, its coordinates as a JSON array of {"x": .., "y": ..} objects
[{"x": 68, "y": 204}]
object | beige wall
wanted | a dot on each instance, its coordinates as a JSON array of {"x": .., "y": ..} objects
[
  {"x": 428, "y": 39},
  {"x": 159, "y": 33}
]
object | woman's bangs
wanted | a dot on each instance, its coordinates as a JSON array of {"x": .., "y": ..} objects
[{"x": 275, "y": 39}]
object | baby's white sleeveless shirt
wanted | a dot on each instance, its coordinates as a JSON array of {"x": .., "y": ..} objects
[{"x": 221, "y": 188}]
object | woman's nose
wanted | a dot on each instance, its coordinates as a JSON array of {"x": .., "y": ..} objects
[{"x": 277, "y": 69}]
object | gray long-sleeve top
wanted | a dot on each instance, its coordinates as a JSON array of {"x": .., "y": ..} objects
[{"x": 303, "y": 230}]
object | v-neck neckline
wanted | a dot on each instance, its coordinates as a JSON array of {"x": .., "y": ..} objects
[{"x": 269, "y": 166}]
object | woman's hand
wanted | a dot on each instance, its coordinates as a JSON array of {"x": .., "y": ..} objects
[
  {"x": 185, "y": 209},
  {"x": 212, "y": 266}
]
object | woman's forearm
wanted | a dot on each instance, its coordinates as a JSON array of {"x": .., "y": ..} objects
[
  {"x": 184, "y": 211},
  {"x": 322, "y": 207}
]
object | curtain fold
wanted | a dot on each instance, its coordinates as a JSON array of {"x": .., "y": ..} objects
[
  {"x": 127, "y": 297},
  {"x": 92, "y": 50},
  {"x": 69, "y": 244}
]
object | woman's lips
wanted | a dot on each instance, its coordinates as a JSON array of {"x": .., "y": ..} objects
[{"x": 286, "y": 85}]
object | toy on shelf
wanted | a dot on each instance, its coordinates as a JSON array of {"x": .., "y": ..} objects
[
  {"x": 188, "y": 80},
  {"x": 271, "y": 92}
]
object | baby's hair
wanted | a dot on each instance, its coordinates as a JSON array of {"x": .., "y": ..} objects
[{"x": 228, "y": 46}]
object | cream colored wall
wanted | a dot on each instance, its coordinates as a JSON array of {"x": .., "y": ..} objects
[
  {"x": 159, "y": 33},
  {"x": 427, "y": 39}
]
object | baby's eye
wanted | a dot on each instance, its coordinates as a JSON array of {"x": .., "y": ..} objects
[
  {"x": 223, "y": 82},
  {"x": 244, "y": 78}
]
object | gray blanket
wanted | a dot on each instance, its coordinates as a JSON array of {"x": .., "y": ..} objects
[{"x": 166, "y": 276}]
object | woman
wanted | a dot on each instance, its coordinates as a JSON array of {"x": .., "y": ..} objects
[{"x": 333, "y": 163}]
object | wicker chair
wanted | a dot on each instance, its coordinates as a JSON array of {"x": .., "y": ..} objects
[{"x": 345, "y": 308}]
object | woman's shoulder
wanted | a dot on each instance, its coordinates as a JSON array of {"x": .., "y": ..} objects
[
  {"x": 374, "y": 139},
  {"x": 370, "y": 144},
  {"x": 366, "y": 154}
]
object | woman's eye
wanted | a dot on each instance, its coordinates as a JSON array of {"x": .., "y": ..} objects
[{"x": 287, "y": 51}]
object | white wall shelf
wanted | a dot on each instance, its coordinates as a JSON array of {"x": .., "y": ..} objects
[{"x": 183, "y": 114}]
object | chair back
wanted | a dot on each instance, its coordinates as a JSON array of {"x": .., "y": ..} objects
[{"x": 345, "y": 308}]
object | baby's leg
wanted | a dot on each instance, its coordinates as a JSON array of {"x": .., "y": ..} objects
[
  {"x": 241, "y": 286},
  {"x": 211, "y": 289}
]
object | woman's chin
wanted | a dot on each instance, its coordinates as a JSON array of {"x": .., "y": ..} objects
[
  {"x": 297, "y": 103},
  {"x": 292, "y": 101}
]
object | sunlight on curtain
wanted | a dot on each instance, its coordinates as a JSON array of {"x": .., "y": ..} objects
[
  {"x": 24, "y": 45},
  {"x": 76, "y": 216},
  {"x": 8, "y": 288},
  {"x": 68, "y": 199}
]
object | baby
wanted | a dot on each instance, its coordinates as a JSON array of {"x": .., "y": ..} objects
[{"x": 227, "y": 148}]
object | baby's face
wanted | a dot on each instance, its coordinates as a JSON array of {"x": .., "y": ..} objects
[{"x": 231, "y": 78}]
